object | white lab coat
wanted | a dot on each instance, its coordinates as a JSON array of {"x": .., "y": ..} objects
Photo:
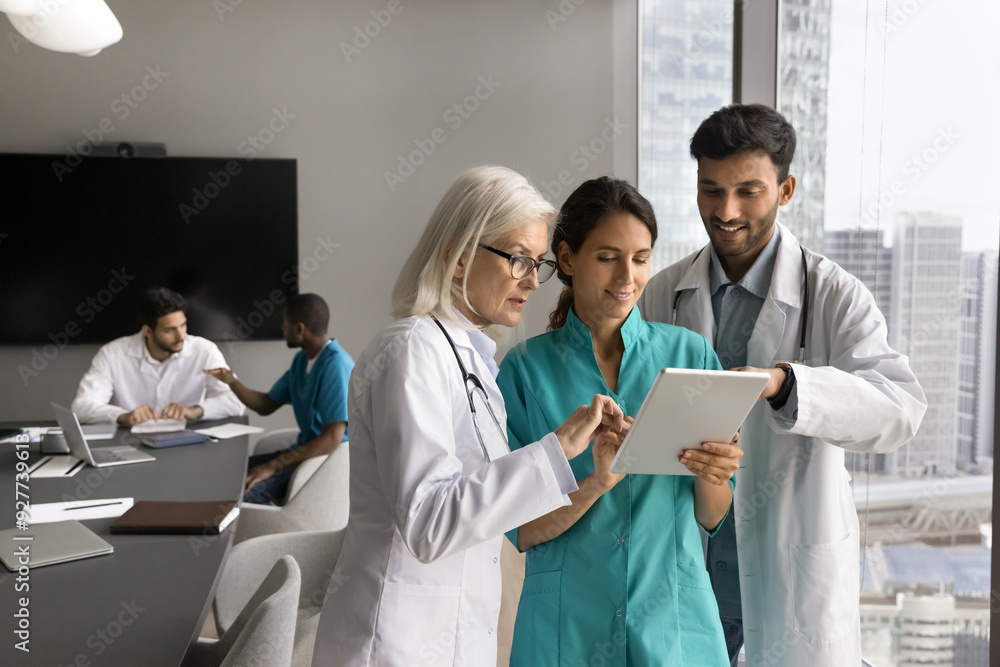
[
  {"x": 418, "y": 580},
  {"x": 120, "y": 380},
  {"x": 796, "y": 523}
]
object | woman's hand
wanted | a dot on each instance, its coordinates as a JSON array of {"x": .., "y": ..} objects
[
  {"x": 715, "y": 462},
  {"x": 588, "y": 422},
  {"x": 605, "y": 449}
]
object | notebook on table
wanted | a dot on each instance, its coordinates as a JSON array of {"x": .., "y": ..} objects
[
  {"x": 49, "y": 544},
  {"x": 172, "y": 439},
  {"x": 177, "y": 517}
]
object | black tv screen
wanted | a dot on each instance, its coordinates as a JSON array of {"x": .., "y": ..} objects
[{"x": 81, "y": 241}]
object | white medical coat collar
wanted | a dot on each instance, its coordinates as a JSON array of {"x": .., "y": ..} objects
[
  {"x": 472, "y": 337},
  {"x": 788, "y": 262}
]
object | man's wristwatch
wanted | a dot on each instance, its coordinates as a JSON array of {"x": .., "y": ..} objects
[{"x": 785, "y": 390}]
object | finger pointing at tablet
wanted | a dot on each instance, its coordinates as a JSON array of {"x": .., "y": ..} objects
[{"x": 589, "y": 421}]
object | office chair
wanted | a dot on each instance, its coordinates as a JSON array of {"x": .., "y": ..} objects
[
  {"x": 316, "y": 552},
  {"x": 321, "y": 502},
  {"x": 264, "y": 631}
]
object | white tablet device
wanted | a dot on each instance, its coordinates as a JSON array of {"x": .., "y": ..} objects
[{"x": 683, "y": 409}]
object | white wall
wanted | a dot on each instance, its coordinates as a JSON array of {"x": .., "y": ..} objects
[{"x": 559, "y": 82}]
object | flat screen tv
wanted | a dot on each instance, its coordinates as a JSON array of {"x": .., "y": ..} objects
[{"x": 80, "y": 243}]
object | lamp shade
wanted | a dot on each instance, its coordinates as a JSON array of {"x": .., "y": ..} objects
[{"x": 83, "y": 27}]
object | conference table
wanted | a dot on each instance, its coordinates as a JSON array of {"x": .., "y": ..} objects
[{"x": 144, "y": 604}]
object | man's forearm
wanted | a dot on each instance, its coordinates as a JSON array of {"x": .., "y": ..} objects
[
  {"x": 258, "y": 401},
  {"x": 319, "y": 446}
]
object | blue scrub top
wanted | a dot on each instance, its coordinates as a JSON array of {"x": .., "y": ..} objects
[
  {"x": 626, "y": 584},
  {"x": 318, "y": 397}
]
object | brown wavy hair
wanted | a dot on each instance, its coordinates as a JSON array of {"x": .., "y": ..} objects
[{"x": 582, "y": 211}]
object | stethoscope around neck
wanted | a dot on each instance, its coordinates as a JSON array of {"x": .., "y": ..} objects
[
  {"x": 805, "y": 304},
  {"x": 474, "y": 387}
]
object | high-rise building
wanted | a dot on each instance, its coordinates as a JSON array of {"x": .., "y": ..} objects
[
  {"x": 804, "y": 73},
  {"x": 977, "y": 358},
  {"x": 927, "y": 257},
  {"x": 864, "y": 255},
  {"x": 688, "y": 73}
]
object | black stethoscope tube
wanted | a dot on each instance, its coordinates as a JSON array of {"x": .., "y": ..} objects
[{"x": 805, "y": 304}]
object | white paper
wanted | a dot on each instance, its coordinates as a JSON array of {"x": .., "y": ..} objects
[
  {"x": 229, "y": 430},
  {"x": 160, "y": 426},
  {"x": 79, "y": 510},
  {"x": 63, "y": 465}
]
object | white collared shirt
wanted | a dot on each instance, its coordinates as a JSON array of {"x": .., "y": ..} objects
[{"x": 121, "y": 378}]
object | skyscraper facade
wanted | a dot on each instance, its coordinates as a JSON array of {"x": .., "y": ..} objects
[
  {"x": 924, "y": 325},
  {"x": 977, "y": 359},
  {"x": 687, "y": 74},
  {"x": 804, "y": 74},
  {"x": 864, "y": 255}
]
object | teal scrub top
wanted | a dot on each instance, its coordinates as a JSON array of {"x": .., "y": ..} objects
[
  {"x": 626, "y": 585},
  {"x": 319, "y": 396}
]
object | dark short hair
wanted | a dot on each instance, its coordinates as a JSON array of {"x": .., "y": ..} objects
[
  {"x": 157, "y": 302},
  {"x": 310, "y": 310},
  {"x": 746, "y": 128},
  {"x": 582, "y": 211}
]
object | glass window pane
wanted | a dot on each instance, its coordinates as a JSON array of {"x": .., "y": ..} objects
[
  {"x": 687, "y": 74},
  {"x": 889, "y": 135}
]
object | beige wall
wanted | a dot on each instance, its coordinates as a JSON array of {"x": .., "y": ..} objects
[{"x": 224, "y": 73}]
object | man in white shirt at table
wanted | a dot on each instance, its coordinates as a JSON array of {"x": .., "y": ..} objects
[{"x": 156, "y": 373}]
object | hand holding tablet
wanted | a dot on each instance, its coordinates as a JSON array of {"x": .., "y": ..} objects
[{"x": 683, "y": 409}]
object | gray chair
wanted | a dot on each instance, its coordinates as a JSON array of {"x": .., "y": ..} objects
[
  {"x": 316, "y": 552},
  {"x": 276, "y": 440},
  {"x": 280, "y": 439},
  {"x": 321, "y": 502},
  {"x": 263, "y": 632}
]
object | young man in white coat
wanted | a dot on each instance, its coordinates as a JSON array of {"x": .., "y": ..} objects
[{"x": 785, "y": 564}]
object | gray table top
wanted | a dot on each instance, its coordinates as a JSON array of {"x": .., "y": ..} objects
[{"x": 144, "y": 604}]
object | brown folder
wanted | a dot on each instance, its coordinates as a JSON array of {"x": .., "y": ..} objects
[{"x": 184, "y": 517}]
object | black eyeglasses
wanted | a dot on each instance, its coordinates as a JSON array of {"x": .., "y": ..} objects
[{"x": 522, "y": 265}]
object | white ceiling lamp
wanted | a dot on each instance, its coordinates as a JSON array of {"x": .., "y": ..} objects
[{"x": 83, "y": 27}]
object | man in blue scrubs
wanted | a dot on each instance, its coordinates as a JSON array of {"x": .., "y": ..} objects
[{"x": 316, "y": 387}]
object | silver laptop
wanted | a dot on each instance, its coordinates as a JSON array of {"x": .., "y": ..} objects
[{"x": 100, "y": 457}]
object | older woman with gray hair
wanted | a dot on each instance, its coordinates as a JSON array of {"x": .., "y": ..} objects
[{"x": 433, "y": 483}]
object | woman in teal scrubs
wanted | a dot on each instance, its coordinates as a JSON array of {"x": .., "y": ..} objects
[{"x": 618, "y": 577}]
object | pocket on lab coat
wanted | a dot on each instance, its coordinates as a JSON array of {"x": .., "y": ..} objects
[
  {"x": 824, "y": 587},
  {"x": 417, "y": 625},
  {"x": 536, "y": 629}
]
